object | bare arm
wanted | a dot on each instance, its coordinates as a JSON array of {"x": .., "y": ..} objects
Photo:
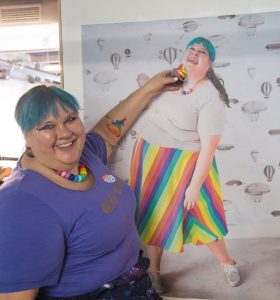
[
  {"x": 22, "y": 295},
  {"x": 113, "y": 126},
  {"x": 204, "y": 162}
]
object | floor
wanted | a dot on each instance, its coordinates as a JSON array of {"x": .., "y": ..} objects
[{"x": 196, "y": 274}]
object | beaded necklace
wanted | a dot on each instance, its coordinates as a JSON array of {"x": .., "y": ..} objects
[
  {"x": 72, "y": 177},
  {"x": 190, "y": 89}
]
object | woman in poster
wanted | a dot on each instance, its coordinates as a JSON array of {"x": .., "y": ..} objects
[{"x": 173, "y": 169}]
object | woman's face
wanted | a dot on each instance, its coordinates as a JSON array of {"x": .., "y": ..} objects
[
  {"x": 197, "y": 58},
  {"x": 57, "y": 142}
]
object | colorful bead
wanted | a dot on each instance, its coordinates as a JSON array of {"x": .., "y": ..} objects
[
  {"x": 187, "y": 91},
  {"x": 72, "y": 177}
]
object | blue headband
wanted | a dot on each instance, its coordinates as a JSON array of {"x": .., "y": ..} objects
[{"x": 206, "y": 43}]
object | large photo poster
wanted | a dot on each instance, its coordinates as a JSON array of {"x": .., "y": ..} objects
[{"x": 117, "y": 58}]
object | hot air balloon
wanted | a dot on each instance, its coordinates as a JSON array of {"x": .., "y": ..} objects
[
  {"x": 104, "y": 79},
  {"x": 254, "y": 154},
  {"x": 225, "y": 147},
  {"x": 250, "y": 23},
  {"x": 227, "y": 204},
  {"x": 253, "y": 108},
  {"x": 142, "y": 78},
  {"x": 170, "y": 54},
  {"x": 100, "y": 43},
  {"x": 233, "y": 101},
  {"x": 127, "y": 52},
  {"x": 269, "y": 172},
  {"x": 266, "y": 88},
  {"x": 133, "y": 134},
  {"x": 225, "y": 17},
  {"x": 234, "y": 182},
  {"x": 251, "y": 71},
  {"x": 256, "y": 191},
  {"x": 274, "y": 131},
  {"x": 147, "y": 36},
  {"x": 275, "y": 213},
  {"x": 189, "y": 26},
  {"x": 272, "y": 46},
  {"x": 115, "y": 60}
]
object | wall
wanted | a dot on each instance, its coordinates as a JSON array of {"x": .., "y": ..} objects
[{"x": 246, "y": 218}]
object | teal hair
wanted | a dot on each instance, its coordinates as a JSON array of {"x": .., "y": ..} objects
[
  {"x": 39, "y": 102},
  {"x": 206, "y": 43}
]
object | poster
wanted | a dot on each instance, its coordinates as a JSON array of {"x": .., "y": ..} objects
[{"x": 117, "y": 57}]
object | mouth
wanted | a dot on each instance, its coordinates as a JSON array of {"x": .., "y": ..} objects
[
  {"x": 65, "y": 145},
  {"x": 192, "y": 60}
]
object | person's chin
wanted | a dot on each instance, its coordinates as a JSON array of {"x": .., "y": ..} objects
[{"x": 69, "y": 158}]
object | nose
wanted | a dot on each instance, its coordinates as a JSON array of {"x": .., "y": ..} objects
[
  {"x": 196, "y": 53},
  {"x": 63, "y": 131}
]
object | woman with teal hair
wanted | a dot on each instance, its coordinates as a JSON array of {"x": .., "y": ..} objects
[
  {"x": 67, "y": 228},
  {"x": 174, "y": 173}
]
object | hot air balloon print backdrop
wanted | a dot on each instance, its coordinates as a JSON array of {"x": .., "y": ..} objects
[{"x": 120, "y": 57}]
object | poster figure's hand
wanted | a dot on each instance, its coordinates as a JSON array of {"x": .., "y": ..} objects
[{"x": 191, "y": 198}]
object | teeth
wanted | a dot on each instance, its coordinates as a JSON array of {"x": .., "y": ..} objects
[{"x": 65, "y": 145}]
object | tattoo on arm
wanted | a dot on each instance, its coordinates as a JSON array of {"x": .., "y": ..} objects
[{"x": 115, "y": 126}]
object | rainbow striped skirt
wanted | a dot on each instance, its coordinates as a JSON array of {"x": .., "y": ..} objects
[{"x": 159, "y": 177}]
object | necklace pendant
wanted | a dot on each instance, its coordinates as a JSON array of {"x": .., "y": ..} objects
[
  {"x": 187, "y": 91},
  {"x": 183, "y": 92}
]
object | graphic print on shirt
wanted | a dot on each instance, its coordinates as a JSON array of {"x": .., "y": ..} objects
[{"x": 112, "y": 199}]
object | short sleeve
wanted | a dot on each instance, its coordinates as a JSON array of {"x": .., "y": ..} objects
[
  {"x": 95, "y": 145},
  {"x": 211, "y": 119},
  {"x": 31, "y": 244}
]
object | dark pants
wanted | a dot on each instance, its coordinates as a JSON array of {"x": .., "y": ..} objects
[{"x": 134, "y": 285}]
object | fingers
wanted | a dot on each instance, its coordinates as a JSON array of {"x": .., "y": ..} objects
[
  {"x": 167, "y": 74},
  {"x": 188, "y": 204},
  {"x": 162, "y": 82}
]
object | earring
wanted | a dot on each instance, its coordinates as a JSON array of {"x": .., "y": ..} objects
[{"x": 28, "y": 152}]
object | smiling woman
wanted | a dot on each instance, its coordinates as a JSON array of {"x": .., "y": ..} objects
[
  {"x": 52, "y": 128},
  {"x": 63, "y": 214},
  {"x": 173, "y": 168}
]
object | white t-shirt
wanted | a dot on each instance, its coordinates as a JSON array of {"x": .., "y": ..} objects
[{"x": 178, "y": 121}]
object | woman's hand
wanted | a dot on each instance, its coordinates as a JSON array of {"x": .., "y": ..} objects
[
  {"x": 191, "y": 198},
  {"x": 160, "y": 83},
  {"x": 204, "y": 162}
]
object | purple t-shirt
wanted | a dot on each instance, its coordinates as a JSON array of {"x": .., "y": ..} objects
[{"x": 62, "y": 241}]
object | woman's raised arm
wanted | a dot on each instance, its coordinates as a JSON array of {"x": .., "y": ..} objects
[{"x": 113, "y": 126}]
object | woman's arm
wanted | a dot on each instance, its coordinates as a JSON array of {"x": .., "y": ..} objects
[
  {"x": 113, "y": 126},
  {"x": 22, "y": 295},
  {"x": 204, "y": 162}
]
